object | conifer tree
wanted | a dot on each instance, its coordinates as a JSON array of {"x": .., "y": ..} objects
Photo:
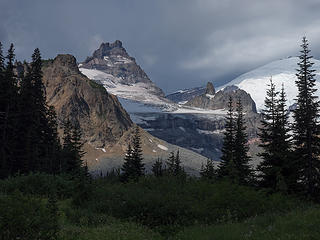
[
  {"x": 171, "y": 163},
  {"x": 306, "y": 126},
  {"x": 127, "y": 167},
  {"x": 287, "y": 168},
  {"x": 8, "y": 109},
  {"x": 241, "y": 147},
  {"x": 177, "y": 165},
  {"x": 227, "y": 167},
  {"x": 133, "y": 166},
  {"x": 268, "y": 136},
  {"x": 72, "y": 148},
  {"x": 207, "y": 171},
  {"x": 3, "y": 89},
  {"x": 157, "y": 168}
]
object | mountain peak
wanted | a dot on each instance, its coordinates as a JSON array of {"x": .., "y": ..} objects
[
  {"x": 107, "y": 49},
  {"x": 66, "y": 61},
  {"x": 210, "y": 89}
]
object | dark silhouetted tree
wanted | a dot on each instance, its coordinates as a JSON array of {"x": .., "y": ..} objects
[
  {"x": 207, "y": 171},
  {"x": 133, "y": 166},
  {"x": 157, "y": 168},
  {"x": 241, "y": 147},
  {"x": 306, "y": 126}
]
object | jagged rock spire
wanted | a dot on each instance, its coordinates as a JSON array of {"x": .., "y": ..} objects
[{"x": 210, "y": 89}]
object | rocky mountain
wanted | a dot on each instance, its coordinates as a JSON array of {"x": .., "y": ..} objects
[
  {"x": 182, "y": 96},
  {"x": 212, "y": 100},
  {"x": 74, "y": 96},
  {"x": 281, "y": 71},
  {"x": 106, "y": 126},
  {"x": 119, "y": 73}
]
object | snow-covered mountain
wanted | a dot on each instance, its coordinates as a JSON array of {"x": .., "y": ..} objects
[
  {"x": 119, "y": 73},
  {"x": 282, "y": 71}
]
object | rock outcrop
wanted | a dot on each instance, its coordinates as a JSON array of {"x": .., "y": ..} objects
[
  {"x": 219, "y": 100},
  {"x": 74, "y": 96},
  {"x": 210, "y": 89}
]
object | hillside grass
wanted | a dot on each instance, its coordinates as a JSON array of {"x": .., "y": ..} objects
[{"x": 153, "y": 208}]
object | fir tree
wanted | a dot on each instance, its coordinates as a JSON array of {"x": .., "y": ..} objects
[
  {"x": 157, "y": 168},
  {"x": 177, "y": 165},
  {"x": 171, "y": 164},
  {"x": 133, "y": 166},
  {"x": 306, "y": 127},
  {"x": 268, "y": 136},
  {"x": 72, "y": 148},
  {"x": 241, "y": 147},
  {"x": 8, "y": 109},
  {"x": 227, "y": 167},
  {"x": 207, "y": 171},
  {"x": 287, "y": 168},
  {"x": 127, "y": 167}
]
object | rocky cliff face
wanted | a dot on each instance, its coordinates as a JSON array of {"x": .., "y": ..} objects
[
  {"x": 219, "y": 100},
  {"x": 99, "y": 114},
  {"x": 112, "y": 66},
  {"x": 106, "y": 126}
]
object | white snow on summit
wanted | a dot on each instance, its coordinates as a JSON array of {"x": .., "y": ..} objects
[
  {"x": 114, "y": 85},
  {"x": 282, "y": 72}
]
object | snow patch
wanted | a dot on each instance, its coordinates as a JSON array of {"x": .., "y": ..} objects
[
  {"x": 182, "y": 129},
  {"x": 209, "y": 96},
  {"x": 163, "y": 147}
]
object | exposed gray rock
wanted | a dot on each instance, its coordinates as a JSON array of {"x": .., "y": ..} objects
[
  {"x": 112, "y": 58},
  {"x": 74, "y": 96},
  {"x": 186, "y": 94},
  {"x": 220, "y": 99},
  {"x": 210, "y": 89}
]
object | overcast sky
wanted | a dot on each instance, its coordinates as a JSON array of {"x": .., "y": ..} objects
[{"x": 179, "y": 43}]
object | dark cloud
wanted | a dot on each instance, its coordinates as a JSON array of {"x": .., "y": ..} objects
[{"x": 179, "y": 43}]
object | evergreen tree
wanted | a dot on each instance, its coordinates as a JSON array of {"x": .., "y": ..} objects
[
  {"x": 157, "y": 168},
  {"x": 241, "y": 147},
  {"x": 207, "y": 171},
  {"x": 268, "y": 136},
  {"x": 278, "y": 168},
  {"x": 171, "y": 163},
  {"x": 227, "y": 166},
  {"x": 3, "y": 89},
  {"x": 8, "y": 109},
  {"x": 127, "y": 167},
  {"x": 177, "y": 165},
  {"x": 287, "y": 173},
  {"x": 306, "y": 126},
  {"x": 133, "y": 166},
  {"x": 72, "y": 148},
  {"x": 53, "y": 143}
]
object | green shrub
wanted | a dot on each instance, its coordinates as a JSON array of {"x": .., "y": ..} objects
[
  {"x": 24, "y": 217},
  {"x": 169, "y": 201},
  {"x": 296, "y": 225},
  {"x": 39, "y": 184}
]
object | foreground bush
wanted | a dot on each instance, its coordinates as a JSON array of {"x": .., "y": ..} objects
[
  {"x": 24, "y": 217},
  {"x": 170, "y": 201},
  {"x": 296, "y": 225},
  {"x": 40, "y": 184}
]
